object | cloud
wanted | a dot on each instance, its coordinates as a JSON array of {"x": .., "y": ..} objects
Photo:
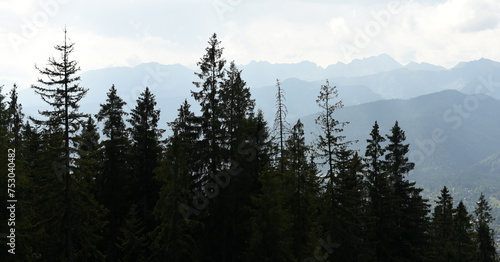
[
  {"x": 482, "y": 15},
  {"x": 16, "y": 7},
  {"x": 459, "y": 16},
  {"x": 338, "y": 26},
  {"x": 121, "y": 33},
  {"x": 446, "y": 33},
  {"x": 480, "y": 24}
]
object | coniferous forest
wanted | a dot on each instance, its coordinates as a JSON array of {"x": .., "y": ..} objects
[{"x": 224, "y": 186}]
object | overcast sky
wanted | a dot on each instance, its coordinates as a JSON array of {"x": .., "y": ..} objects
[{"x": 128, "y": 32}]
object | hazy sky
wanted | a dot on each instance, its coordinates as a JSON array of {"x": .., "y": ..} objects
[{"x": 129, "y": 32}]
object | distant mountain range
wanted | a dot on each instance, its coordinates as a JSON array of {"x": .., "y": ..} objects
[
  {"x": 263, "y": 73},
  {"x": 360, "y": 81},
  {"x": 451, "y": 116}
]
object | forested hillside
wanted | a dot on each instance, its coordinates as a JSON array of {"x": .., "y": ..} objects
[{"x": 224, "y": 185}]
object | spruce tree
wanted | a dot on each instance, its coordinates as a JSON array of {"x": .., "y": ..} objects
[
  {"x": 114, "y": 182},
  {"x": 376, "y": 175},
  {"x": 90, "y": 155},
  {"x": 62, "y": 92},
  {"x": 178, "y": 221},
  {"x": 225, "y": 124},
  {"x": 442, "y": 227},
  {"x": 212, "y": 147},
  {"x": 145, "y": 153},
  {"x": 16, "y": 117},
  {"x": 379, "y": 192},
  {"x": 398, "y": 164},
  {"x": 236, "y": 106},
  {"x": 111, "y": 114},
  {"x": 211, "y": 77},
  {"x": 233, "y": 202},
  {"x": 348, "y": 226},
  {"x": 463, "y": 235},
  {"x": 303, "y": 192},
  {"x": 485, "y": 244},
  {"x": 409, "y": 212}
]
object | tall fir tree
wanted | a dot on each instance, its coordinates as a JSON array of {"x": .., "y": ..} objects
[
  {"x": 114, "y": 183},
  {"x": 213, "y": 147},
  {"x": 410, "y": 210},
  {"x": 330, "y": 141},
  {"x": 329, "y": 146},
  {"x": 232, "y": 204},
  {"x": 145, "y": 152},
  {"x": 62, "y": 92},
  {"x": 226, "y": 121},
  {"x": 211, "y": 77},
  {"x": 379, "y": 193}
]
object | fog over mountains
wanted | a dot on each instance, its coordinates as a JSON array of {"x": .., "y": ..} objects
[{"x": 451, "y": 116}]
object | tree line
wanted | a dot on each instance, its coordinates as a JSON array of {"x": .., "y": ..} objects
[{"x": 223, "y": 187}]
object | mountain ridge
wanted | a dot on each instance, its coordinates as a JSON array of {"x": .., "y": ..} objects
[
  {"x": 444, "y": 145},
  {"x": 173, "y": 83}
]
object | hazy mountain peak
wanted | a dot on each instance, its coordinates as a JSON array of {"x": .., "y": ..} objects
[
  {"x": 382, "y": 58},
  {"x": 423, "y": 66},
  {"x": 480, "y": 63},
  {"x": 365, "y": 66},
  {"x": 260, "y": 62}
]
